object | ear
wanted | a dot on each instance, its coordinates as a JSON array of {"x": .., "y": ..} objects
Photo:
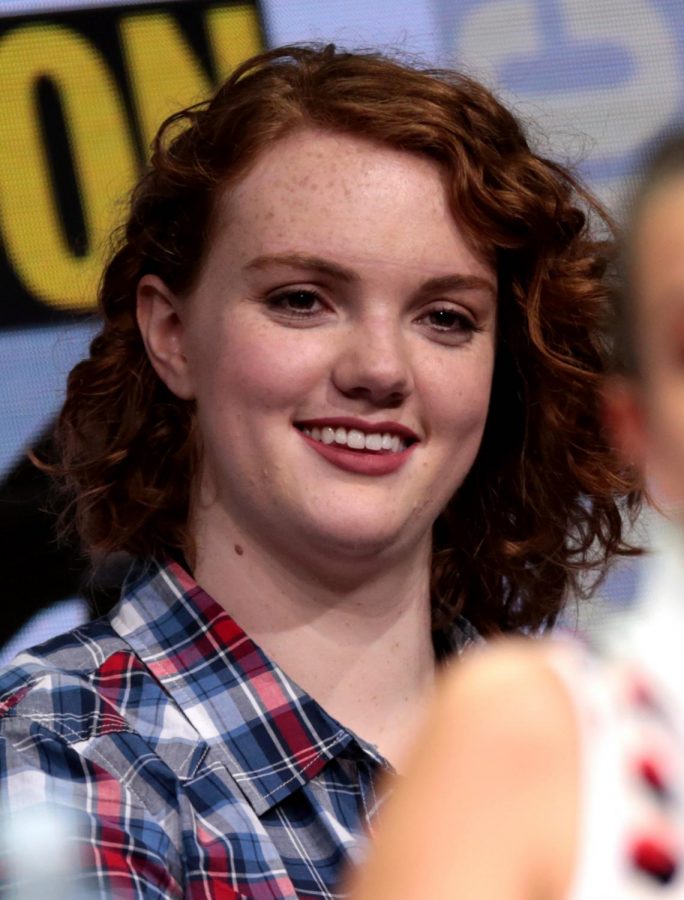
[
  {"x": 161, "y": 327},
  {"x": 624, "y": 415}
]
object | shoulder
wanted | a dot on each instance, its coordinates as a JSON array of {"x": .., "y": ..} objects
[
  {"x": 75, "y": 654},
  {"x": 489, "y": 802},
  {"x": 516, "y": 682},
  {"x": 75, "y": 686},
  {"x": 73, "y": 767},
  {"x": 500, "y": 766},
  {"x": 504, "y": 724},
  {"x": 74, "y": 713}
]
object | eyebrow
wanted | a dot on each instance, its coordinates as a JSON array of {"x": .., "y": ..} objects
[
  {"x": 457, "y": 282},
  {"x": 303, "y": 261}
]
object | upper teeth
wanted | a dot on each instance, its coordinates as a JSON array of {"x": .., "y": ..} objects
[{"x": 356, "y": 439}]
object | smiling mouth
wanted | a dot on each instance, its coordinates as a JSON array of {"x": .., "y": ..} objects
[{"x": 355, "y": 439}]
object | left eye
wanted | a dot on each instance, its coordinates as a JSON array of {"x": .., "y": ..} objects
[
  {"x": 449, "y": 320},
  {"x": 297, "y": 302}
]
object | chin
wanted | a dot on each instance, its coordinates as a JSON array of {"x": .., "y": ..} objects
[{"x": 362, "y": 538}]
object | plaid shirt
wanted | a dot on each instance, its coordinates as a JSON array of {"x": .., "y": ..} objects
[{"x": 193, "y": 766}]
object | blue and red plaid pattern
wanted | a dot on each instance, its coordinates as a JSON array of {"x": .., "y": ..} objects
[{"x": 190, "y": 763}]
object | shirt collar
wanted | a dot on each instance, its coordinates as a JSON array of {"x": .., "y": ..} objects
[{"x": 271, "y": 735}]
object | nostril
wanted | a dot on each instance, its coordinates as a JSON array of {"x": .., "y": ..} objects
[
  {"x": 366, "y": 372},
  {"x": 387, "y": 400}
]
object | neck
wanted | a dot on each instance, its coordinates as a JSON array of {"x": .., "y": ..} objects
[{"x": 355, "y": 635}]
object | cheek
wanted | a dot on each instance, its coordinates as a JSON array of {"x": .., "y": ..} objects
[
  {"x": 459, "y": 394},
  {"x": 668, "y": 422},
  {"x": 260, "y": 369},
  {"x": 665, "y": 443}
]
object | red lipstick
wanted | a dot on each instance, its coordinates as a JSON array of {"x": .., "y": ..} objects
[{"x": 361, "y": 461}]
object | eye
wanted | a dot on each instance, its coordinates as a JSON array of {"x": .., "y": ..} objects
[
  {"x": 296, "y": 302},
  {"x": 449, "y": 322}
]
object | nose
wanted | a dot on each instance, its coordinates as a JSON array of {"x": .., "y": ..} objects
[{"x": 374, "y": 364}]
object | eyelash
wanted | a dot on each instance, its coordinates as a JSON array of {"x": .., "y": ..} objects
[
  {"x": 461, "y": 324},
  {"x": 278, "y": 302}
]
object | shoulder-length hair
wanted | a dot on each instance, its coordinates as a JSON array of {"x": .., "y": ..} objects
[{"x": 545, "y": 499}]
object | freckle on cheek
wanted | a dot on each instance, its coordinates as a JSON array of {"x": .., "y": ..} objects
[{"x": 239, "y": 550}]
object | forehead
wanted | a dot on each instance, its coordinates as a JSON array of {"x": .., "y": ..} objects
[{"x": 345, "y": 196}]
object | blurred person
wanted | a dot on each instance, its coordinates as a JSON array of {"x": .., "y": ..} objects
[
  {"x": 571, "y": 786},
  {"x": 343, "y": 411}
]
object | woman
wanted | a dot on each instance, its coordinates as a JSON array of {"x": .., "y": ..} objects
[
  {"x": 572, "y": 785},
  {"x": 343, "y": 411}
]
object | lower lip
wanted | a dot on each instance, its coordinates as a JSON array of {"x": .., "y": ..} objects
[{"x": 360, "y": 461}]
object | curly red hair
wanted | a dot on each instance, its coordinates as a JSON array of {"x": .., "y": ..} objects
[{"x": 546, "y": 498}]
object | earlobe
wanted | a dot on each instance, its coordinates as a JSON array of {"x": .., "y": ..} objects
[
  {"x": 624, "y": 418},
  {"x": 161, "y": 328}
]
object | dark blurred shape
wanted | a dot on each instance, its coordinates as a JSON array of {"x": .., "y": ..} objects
[{"x": 38, "y": 569}]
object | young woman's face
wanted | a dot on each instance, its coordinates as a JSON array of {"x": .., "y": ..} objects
[
  {"x": 340, "y": 346},
  {"x": 659, "y": 323}
]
